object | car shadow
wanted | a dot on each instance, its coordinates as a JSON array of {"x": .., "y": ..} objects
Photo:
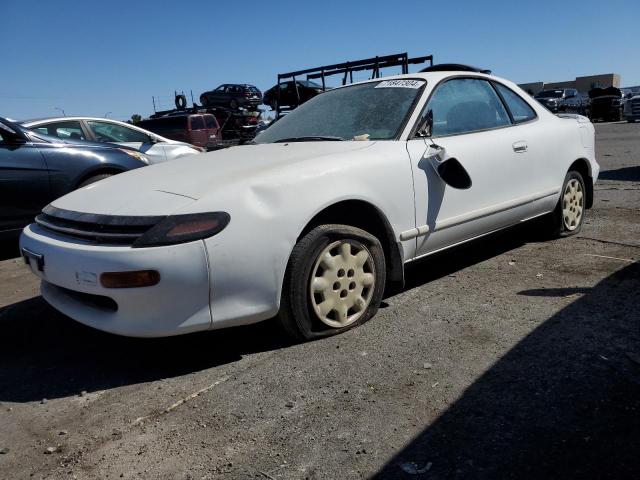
[
  {"x": 562, "y": 403},
  {"x": 629, "y": 174},
  {"x": 44, "y": 354}
]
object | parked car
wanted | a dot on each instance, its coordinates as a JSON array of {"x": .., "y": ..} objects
[
  {"x": 632, "y": 107},
  {"x": 312, "y": 221},
  {"x": 561, "y": 100},
  {"x": 285, "y": 93},
  {"x": 199, "y": 129},
  {"x": 606, "y": 104},
  {"x": 156, "y": 148},
  {"x": 232, "y": 96},
  {"x": 36, "y": 168}
]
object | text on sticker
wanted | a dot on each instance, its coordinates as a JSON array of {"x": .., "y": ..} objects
[{"x": 400, "y": 84}]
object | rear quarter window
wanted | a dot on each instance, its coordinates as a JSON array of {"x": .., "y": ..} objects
[{"x": 520, "y": 109}]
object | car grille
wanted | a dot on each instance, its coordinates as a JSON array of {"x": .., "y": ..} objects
[
  {"x": 110, "y": 229},
  {"x": 635, "y": 106}
]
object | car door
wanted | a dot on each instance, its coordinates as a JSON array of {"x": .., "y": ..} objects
[
  {"x": 468, "y": 122},
  {"x": 24, "y": 180}
]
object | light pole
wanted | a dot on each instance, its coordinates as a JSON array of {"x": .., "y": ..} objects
[
  {"x": 107, "y": 114},
  {"x": 58, "y": 108}
]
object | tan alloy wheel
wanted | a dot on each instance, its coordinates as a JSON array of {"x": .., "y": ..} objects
[
  {"x": 572, "y": 204},
  {"x": 342, "y": 283}
]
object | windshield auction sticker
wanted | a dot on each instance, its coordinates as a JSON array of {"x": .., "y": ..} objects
[{"x": 400, "y": 84}]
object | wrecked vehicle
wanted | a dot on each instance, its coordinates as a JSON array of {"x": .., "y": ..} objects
[
  {"x": 605, "y": 104},
  {"x": 315, "y": 219},
  {"x": 562, "y": 100},
  {"x": 632, "y": 107}
]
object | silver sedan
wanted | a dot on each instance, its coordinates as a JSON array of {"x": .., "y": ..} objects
[{"x": 158, "y": 149}]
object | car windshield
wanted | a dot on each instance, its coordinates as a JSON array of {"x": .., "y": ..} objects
[
  {"x": 367, "y": 111},
  {"x": 550, "y": 94}
]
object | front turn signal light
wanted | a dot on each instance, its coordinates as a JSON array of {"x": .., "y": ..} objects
[{"x": 134, "y": 279}]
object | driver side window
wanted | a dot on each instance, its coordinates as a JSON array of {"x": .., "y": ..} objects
[{"x": 465, "y": 105}]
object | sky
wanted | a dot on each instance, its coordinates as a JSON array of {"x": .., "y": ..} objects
[{"x": 109, "y": 58}]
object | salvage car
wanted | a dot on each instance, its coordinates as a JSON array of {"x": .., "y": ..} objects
[
  {"x": 199, "y": 129},
  {"x": 36, "y": 168},
  {"x": 232, "y": 96},
  {"x": 606, "y": 104},
  {"x": 291, "y": 94},
  {"x": 156, "y": 148},
  {"x": 312, "y": 222},
  {"x": 562, "y": 100},
  {"x": 632, "y": 107}
]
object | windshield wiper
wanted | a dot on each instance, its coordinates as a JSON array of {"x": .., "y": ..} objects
[{"x": 310, "y": 138}]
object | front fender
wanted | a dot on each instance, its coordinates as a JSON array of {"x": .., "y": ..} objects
[{"x": 248, "y": 260}]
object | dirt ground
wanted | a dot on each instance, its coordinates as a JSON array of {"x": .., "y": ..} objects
[{"x": 508, "y": 358}]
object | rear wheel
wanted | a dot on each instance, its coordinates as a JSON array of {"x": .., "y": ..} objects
[
  {"x": 334, "y": 281},
  {"x": 568, "y": 216},
  {"x": 94, "y": 179}
]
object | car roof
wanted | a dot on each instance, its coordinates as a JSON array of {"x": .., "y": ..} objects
[
  {"x": 431, "y": 77},
  {"x": 62, "y": 119}
]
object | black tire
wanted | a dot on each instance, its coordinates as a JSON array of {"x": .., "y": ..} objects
[
  {"x": 631, "y": 120},
  {"x": 556, "y": 224},
  {"x": 95, "y": 178},
  {"x": 181, "y": 102},
  {"x": 297, "y": 315}
]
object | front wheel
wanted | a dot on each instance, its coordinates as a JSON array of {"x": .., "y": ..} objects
[
  {"x": 568, "y": 216},
  {"x": 334, "y": 281}
]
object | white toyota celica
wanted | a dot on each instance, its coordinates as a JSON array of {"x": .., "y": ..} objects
[{"x": 312, "y": 221}]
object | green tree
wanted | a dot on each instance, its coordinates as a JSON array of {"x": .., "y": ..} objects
[{"x": 135, "y": 118}]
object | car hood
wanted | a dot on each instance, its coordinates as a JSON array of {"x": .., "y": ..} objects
[{"x": 167, "y": 187}]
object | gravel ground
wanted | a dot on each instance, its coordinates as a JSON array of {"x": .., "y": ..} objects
[{"x": 508, "y": 358}]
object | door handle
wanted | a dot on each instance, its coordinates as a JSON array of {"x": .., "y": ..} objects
[{"x": 520, "y": 147}]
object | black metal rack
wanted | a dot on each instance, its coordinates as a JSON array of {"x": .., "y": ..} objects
[{"x": 374, "y": 64}]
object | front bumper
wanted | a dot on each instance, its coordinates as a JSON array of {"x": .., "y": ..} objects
[{"x": 70, "y": 273}]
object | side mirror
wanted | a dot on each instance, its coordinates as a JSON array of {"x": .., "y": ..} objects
[
  {"x": 450, "y": 170},
  {"x": 454, "y": 174}
]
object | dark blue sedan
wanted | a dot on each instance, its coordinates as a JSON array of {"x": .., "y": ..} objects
[{"x": 35, "y": 169}]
